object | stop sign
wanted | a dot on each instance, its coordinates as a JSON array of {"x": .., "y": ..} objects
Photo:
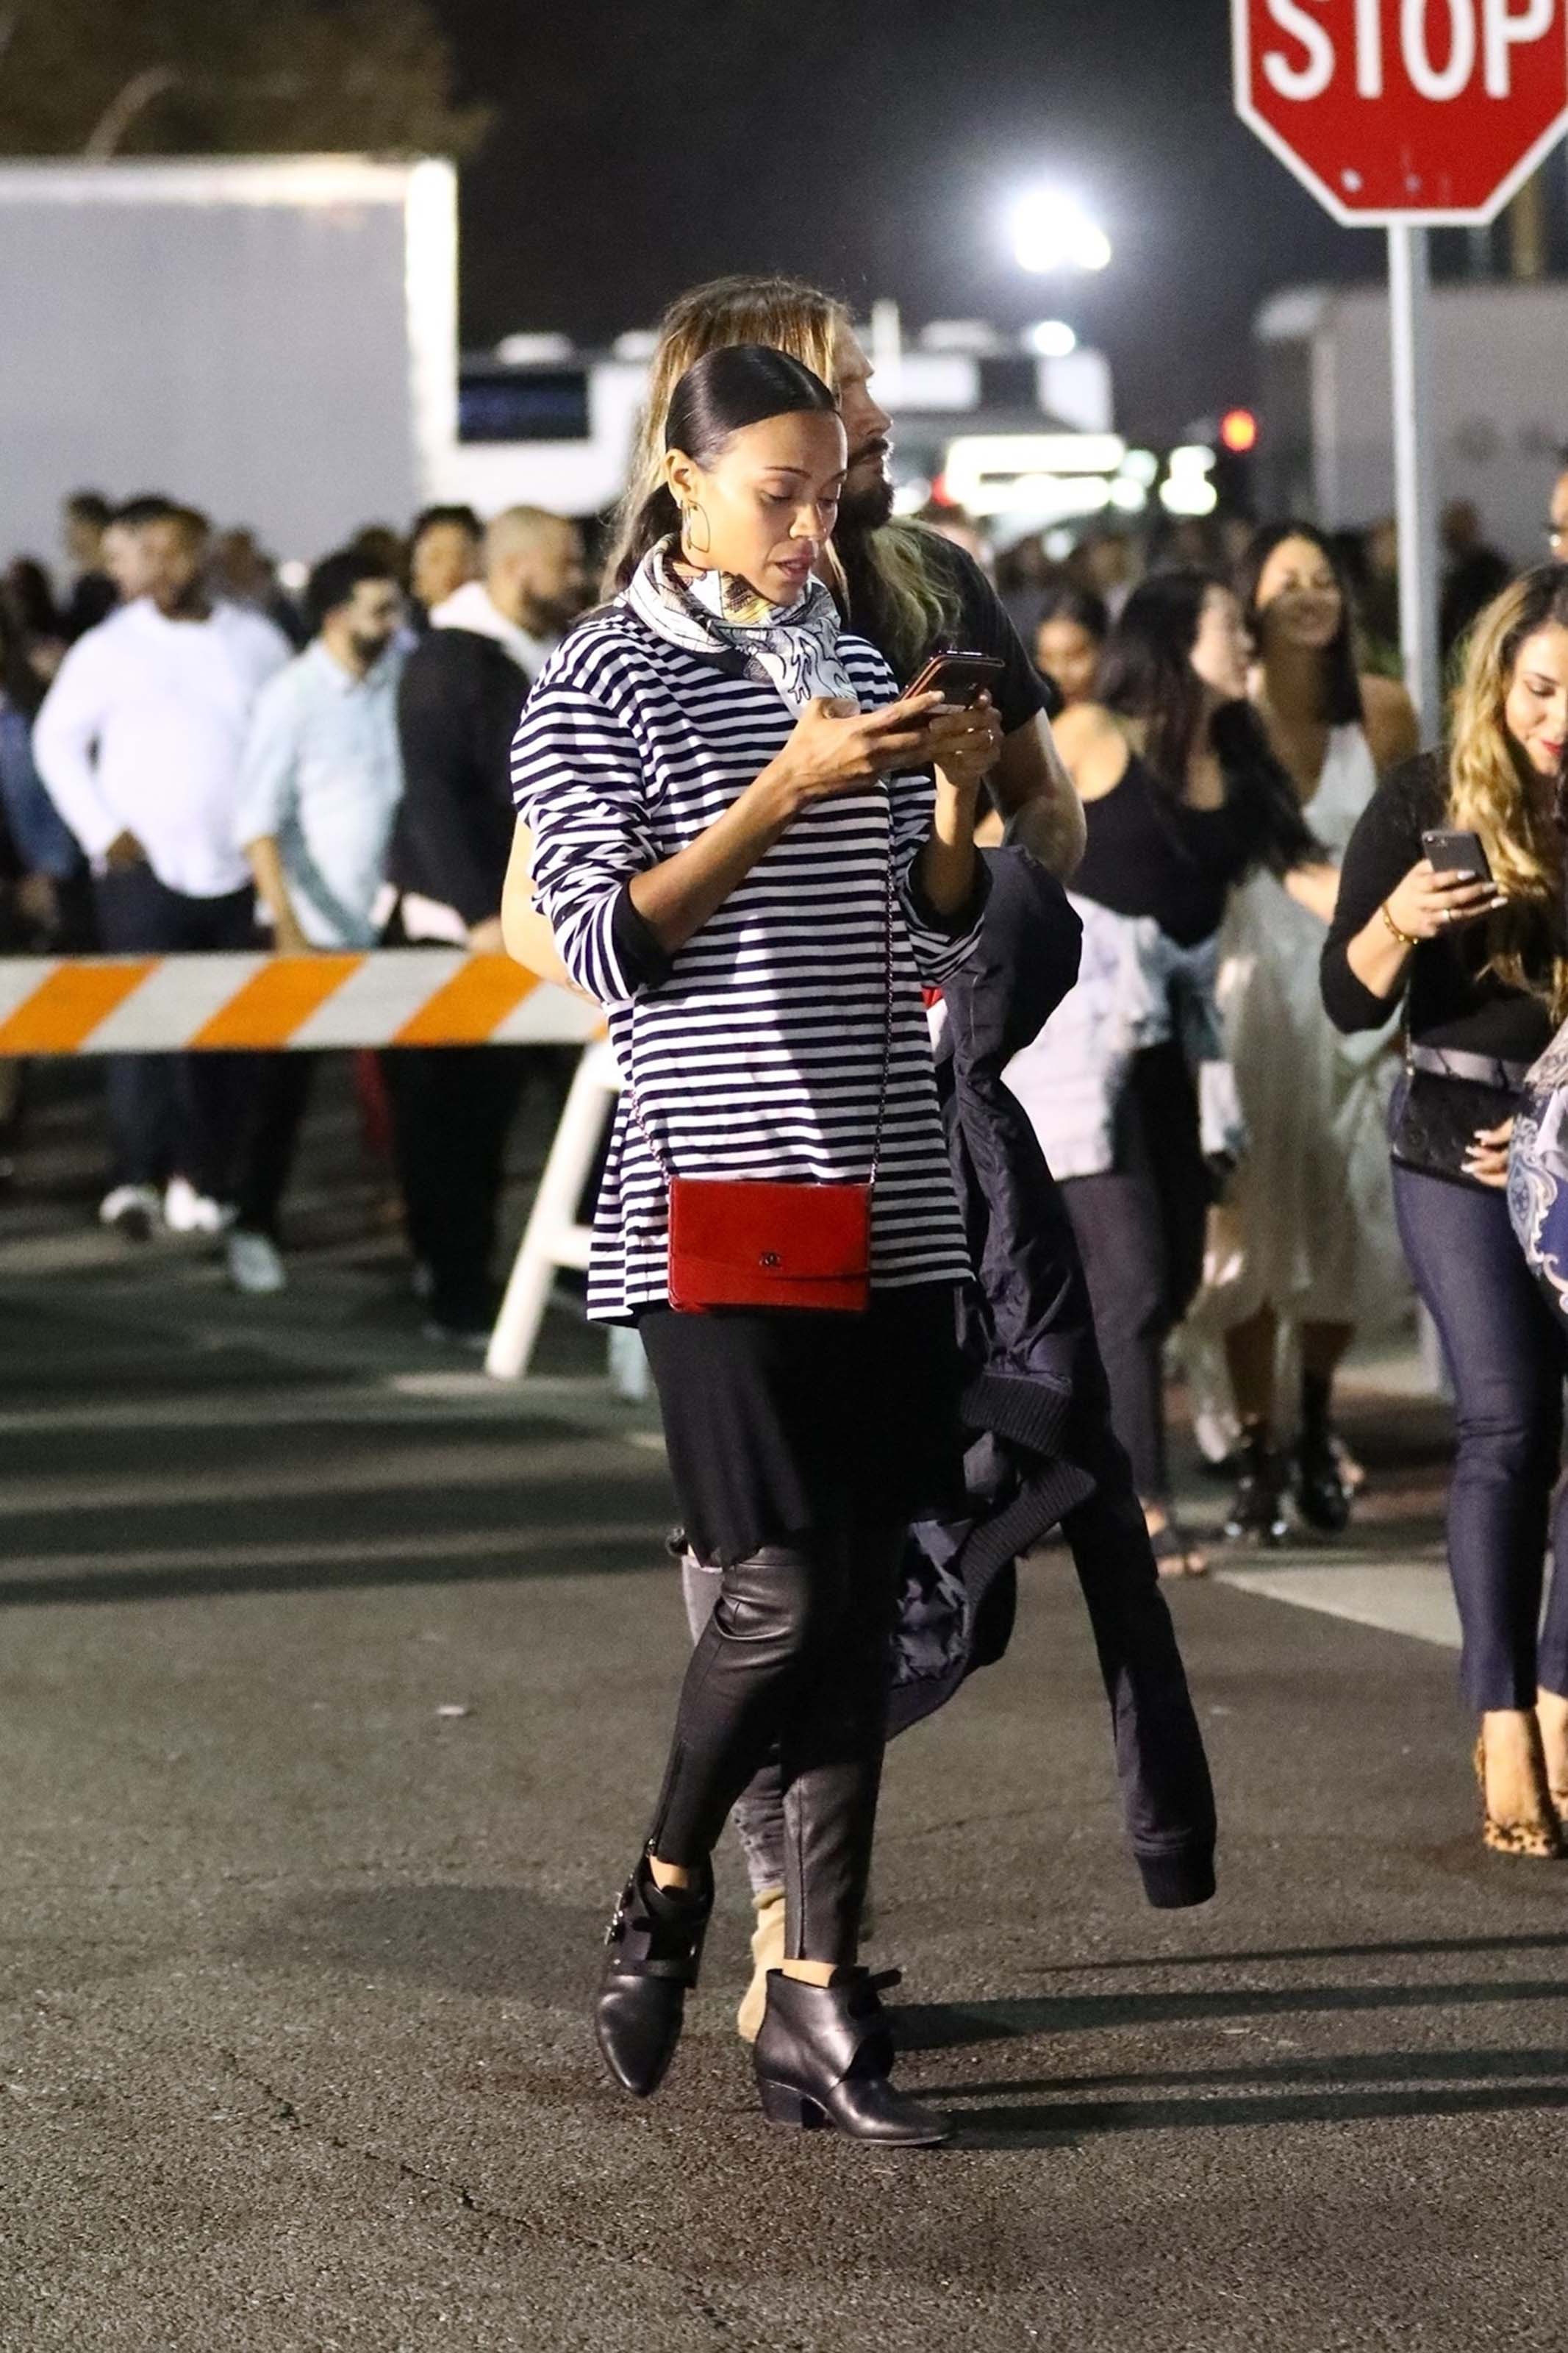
[{"x": 1404, "y": 109}]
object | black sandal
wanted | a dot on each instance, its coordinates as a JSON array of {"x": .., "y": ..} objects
[{"x": 1175, "y": 1551}]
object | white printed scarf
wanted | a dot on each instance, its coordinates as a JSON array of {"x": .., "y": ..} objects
[{"x": 794, "y": 647}]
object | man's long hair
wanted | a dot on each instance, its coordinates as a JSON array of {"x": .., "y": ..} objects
[
  {"x": 893, "y": 577},
  {"x": 1490, "y": 790}
]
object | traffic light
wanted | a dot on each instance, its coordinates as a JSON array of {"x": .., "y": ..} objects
[{"x": 1233, "y": 471}]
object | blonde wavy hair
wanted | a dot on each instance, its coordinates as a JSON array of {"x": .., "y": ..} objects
[
  {"x": 913, "y": 600},
  {"x": 1489, "y": 789}
]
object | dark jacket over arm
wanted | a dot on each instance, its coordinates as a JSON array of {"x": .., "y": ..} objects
[
  {"x": 458, "y": 709},
  {"x": 1036, "y": 1401}
]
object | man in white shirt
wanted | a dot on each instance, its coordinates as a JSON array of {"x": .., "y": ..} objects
[
  {"x": 319, "y": 789},
  {"x": 139, "y": 743}
]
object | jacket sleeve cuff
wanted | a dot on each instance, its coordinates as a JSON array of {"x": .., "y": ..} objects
[{"x": 644, "y": 961}]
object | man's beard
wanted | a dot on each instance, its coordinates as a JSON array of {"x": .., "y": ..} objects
[
  {"x": 368, "y": 651},
  {"x": 863, "y": 511}
]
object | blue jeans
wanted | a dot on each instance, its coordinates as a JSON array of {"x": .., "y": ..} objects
[{"x": 1507, "y": 1353}]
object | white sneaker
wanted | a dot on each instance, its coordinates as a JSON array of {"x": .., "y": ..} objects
[
  {"x": 186, "y": 1211},
  {"x": 132, "y": 1211},
  {"x": 254, "y": 1265}
]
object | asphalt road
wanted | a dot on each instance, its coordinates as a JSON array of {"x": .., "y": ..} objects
[{"x": 332, "y": 1689}]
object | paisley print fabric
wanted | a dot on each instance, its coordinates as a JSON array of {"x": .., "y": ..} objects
[
  {"x": 1538, "y": 1172},
  {"x": 794, "y": 647}
]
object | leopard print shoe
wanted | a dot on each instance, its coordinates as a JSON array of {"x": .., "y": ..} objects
[{"x": 1541, "y": 1839}]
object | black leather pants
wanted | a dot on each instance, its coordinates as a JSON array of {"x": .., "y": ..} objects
[{"x": 795, "y": 1654}]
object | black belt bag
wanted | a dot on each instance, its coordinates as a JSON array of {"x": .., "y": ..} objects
[{"x": 1447, "y": 1096}]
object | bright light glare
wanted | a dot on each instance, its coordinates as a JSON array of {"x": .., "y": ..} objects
[
  {"x": 975, "y": 458},
  {"x": 1052, "y": 231},
  {"x": 1192, "y": 458},
  {"x": 1239, "y": 430},
  {"x": 1142, "y": 466},
  {"x": 1128, "y": 497},
  {"x": 1189, "y": 494},
  {"x": 1053, "y": 339}
]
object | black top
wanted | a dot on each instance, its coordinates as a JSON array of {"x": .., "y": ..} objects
[
  {"x": 92, "y": 599},
  {"x": 458, "y": 709},
  {"x": 1450, "y": 1001},
  {"x": 1150, "y": 854},
  {"x": 980, "y": 626}
]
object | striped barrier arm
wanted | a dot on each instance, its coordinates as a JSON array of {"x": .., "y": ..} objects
[{"x": 386, "y": 997}]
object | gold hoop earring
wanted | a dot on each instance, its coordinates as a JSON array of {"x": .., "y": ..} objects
[{"x": 687, "y": 540}]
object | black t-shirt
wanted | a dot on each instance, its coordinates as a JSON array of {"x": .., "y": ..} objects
[
  {"x": 1450, "y": 1002},
  {"x": 979, "y": 626},
  {"x": 1151, "y": 854}
]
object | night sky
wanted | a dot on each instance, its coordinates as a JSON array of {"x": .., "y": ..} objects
[{"x": 641, "y": 145}]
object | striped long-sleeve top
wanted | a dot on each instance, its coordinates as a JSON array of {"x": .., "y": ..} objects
[{"x": 756, "y": 1050}]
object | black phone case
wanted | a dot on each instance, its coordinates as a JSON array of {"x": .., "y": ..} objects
[{"x": 1460, "y": 861}]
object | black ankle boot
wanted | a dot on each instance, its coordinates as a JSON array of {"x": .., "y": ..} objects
[
  {"x": 654, "y": 1944},
  {"x": 1256, "y": 1511},
  {"x": 1322, "y": 1496},
  {"x": 822, "y": 2059}
]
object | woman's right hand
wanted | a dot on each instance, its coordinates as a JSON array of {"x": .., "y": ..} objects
[
  {"x": 1427, "y": 903},
  {"x": 834, "y": 747}
]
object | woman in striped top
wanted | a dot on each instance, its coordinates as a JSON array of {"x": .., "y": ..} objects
[{"x": 740, "y": 854}]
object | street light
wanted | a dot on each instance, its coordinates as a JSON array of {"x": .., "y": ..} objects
[
  {"x": 1051, "y": 339},
  {"x": 1051, "y": 231}
]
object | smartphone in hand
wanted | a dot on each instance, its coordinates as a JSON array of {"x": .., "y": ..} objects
[
  {"x": 960, "y": 679},
  {"x": 1450, "y": 852}
]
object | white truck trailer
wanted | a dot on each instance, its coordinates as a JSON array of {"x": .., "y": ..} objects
[
  {"x": 1499, "y": 356},
  {"x": 274, "y": 341}
]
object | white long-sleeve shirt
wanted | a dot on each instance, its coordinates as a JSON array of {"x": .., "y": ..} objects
[{"x": 143, "y": 731}]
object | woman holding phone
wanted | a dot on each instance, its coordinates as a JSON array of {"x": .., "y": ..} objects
[
  {"x": 1451, "y": 900},
  {"x": 739, "y": 849}
]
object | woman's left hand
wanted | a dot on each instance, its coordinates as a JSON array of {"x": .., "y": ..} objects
[
  {"x": 1487, "y": 1159},
  {"x": 965, "y": 746}
]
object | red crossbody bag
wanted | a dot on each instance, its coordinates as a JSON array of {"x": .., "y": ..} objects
[{"x": 743, "y": 1241}]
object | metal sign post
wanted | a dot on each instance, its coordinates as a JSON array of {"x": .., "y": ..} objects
[{"x": 1415, "y": 473}]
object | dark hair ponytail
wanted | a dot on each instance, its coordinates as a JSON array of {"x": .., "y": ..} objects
[
  {"x": 720, "y": 396},
  {"x": 1146, "y": 670}
]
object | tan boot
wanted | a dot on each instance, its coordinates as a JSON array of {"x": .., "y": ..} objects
[{"x": 767, "y": 1953}]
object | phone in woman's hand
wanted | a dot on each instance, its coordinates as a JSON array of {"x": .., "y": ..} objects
[
  {"x": 1451, "y": 853},
  {"x": 960, "y": 679}
]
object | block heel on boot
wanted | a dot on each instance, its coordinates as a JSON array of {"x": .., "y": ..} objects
[
  {"x": 655, "y": 1950},
  {"x": 822, "y": 2058},
  {"x": 782, "y": 2107}
]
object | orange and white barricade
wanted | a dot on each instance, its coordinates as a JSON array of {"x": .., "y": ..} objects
[{"x": 315, "y": 1004}]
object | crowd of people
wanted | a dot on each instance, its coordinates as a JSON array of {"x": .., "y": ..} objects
[
  {"x": 191, "y": 759},
  {"x": 1175, "y": 875}
]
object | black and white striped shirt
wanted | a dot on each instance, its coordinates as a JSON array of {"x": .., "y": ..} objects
[{"x": 757, "y": 1050}]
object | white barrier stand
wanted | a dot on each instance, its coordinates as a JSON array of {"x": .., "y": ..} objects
[{"x": 552, "y": 1237}]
